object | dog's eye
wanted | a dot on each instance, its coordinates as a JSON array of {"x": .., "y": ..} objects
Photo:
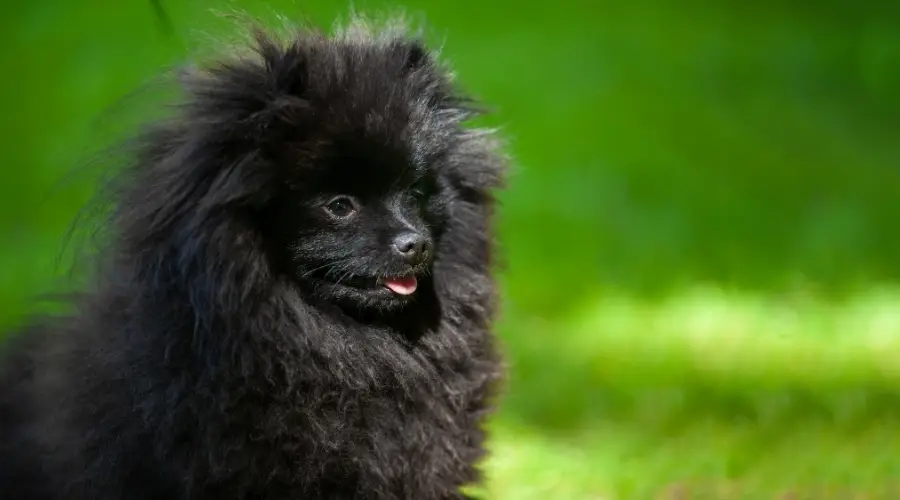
[
  {"x": 341, "y": 207},
  {"x": 419, "y": 189}
]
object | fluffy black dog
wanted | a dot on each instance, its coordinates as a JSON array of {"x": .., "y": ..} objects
[{"x": 295, "y": 299}]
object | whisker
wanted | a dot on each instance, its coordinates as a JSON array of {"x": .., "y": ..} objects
[{"x": 340, "y": 263}]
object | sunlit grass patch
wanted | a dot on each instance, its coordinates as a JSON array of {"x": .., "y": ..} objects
[
  {"x": 708, "y": 459},
  {"x": 717, "y": 393},
  {"x": 708, "y": 333}
]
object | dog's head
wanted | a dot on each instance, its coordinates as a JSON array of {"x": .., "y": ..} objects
[
  {"x": 344, "y": 157},
  {"x": 362, "y": 196}
]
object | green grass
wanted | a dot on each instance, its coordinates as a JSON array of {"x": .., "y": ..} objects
[
  {"x": 706, "y": 390},
  {"x": 750, "y": 147}
]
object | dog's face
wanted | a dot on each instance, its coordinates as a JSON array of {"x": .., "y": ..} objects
[
  {"x": 361, "y": 226},
  {"x": 361, "y": 139},
  {"x": 342, "y": 164}
]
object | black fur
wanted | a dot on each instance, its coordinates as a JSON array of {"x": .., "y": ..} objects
[{"x": 216, "y": 355}]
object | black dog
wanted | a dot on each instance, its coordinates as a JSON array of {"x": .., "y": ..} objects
[{"x": 294, "y": 301}]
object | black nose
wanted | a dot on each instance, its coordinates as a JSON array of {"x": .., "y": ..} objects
[{"x": 411, "y": 246}]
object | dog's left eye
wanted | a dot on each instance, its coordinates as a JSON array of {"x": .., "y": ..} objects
[
  {"x": 419, "y": 189},
  {"x": 341, "y": 207}
]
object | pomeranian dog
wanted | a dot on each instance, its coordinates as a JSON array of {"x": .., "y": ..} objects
[{"x": 294, "y": 300}]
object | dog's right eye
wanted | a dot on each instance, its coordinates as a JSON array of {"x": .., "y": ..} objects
[{"x": 341, "y": 207}]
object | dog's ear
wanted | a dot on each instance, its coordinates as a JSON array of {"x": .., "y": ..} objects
[
  {"x": 286, "y": 71},
  {"x": 413, "y": 53},
  {"x": 244, "y": 98},
  {"x": 285, "y": 66}
]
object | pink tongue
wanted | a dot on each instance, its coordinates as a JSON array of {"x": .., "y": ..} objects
[{"x": 403, "y": 286}]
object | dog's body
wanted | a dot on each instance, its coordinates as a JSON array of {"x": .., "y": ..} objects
[{"x": 295, "y": 302}]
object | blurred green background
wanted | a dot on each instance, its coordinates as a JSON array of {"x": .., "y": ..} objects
[{"x": 700, "y": 237}]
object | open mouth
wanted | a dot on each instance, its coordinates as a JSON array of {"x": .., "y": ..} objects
[
  {"x": 405, "y": 285},
  {"x": 398, "y": 285}
]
